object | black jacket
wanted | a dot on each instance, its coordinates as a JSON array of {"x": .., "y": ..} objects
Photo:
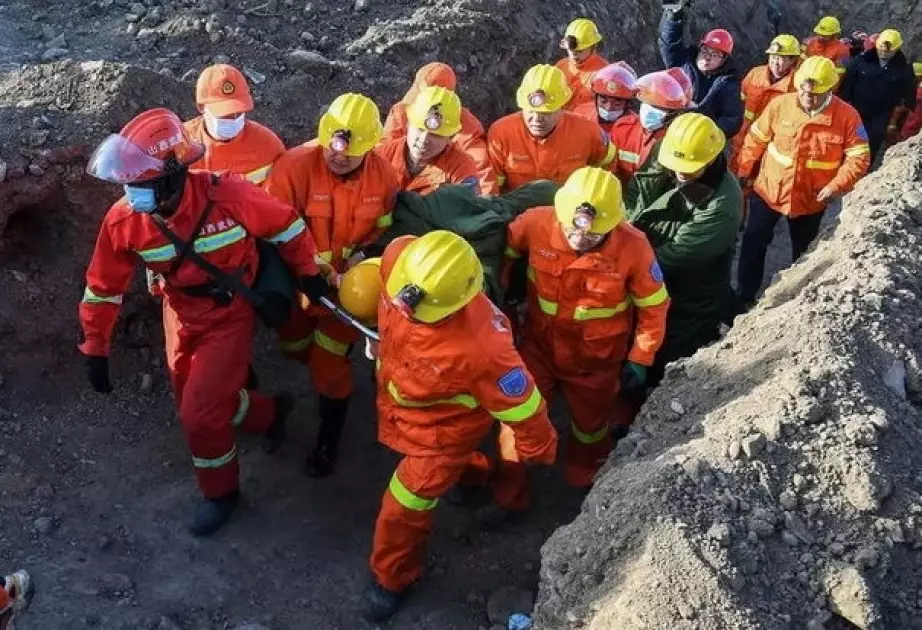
[
  {"x": 718, "y": 95},
  {"x": 875, "y": 90}
]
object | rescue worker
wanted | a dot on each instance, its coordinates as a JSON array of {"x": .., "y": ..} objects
[
  {"x": 913, "y": 123},
  {"x": 595, "y": 317},
  {"x": 233, "y": 143},
  {"x": 663, "y": 95},
  {"x": 855, "y": 43},
  {"x": 825, "y": 43},
  {"x": 614, "y": 88},
  {"x": 581, "y": 41},
  {"x": 764, "y": 83},
  {"x": 439, "y": 394},
  {"x": 690, "y": 206},
  {"x": 426, "y": 158},
  {"x": 803, "y": 151},
  {"x": 346, "y": 192},
  {"x": 208, "y": 317},
  {"x": 881, "y": 85},
  {"x": 709, "y": 65},
  {"x": 543, "y": 141},
  {"x": 472, "y": 137},
  {"x": 16, "y": 593}
]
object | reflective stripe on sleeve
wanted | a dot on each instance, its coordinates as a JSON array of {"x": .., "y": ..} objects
[
  {"x": 408, "y": 498},
  {"x": 629, "y": 157},
  {"x": 778, "y": 156},
  {"x": 465, "y": 400},
  {"x": 385, "y": 221},
  {"x": 158, "y": 254},
  {"x": 860, "y": 149},
  {"x": 243, "y": 407},
  {"x": 655, "y": 299},
  {"x": 259, "y": 175},
  {"x": 297, "y": 345},
  {"x": 331, "y": 345},
  {"x": 217, "y": 462},
  {"x": 217, "y": 241},
  {"x": 819, "y": 165},
  {"x": 589, "y": 438},
  {"x": 587, "y": 313},
  {"x": 521, "y": 412},
  {"x": 91, "y": 298},
  {"x": 290, "y": 232},
  {"x": 754, "y": 130},
  {"x": 610, "y": 155}
]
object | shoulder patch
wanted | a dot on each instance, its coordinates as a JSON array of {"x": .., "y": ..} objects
[
  {"x": 656, "y": 272},
  {"x": 473, "y": 182},
  {"x": 862, "y": 133},
  {"x": 513, "y": 382}
]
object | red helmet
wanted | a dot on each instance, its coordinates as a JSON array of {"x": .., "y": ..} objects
[
  {"x": 662, "y": 90},
  {"x": 719, "y": 39},
  {"x": 685, "y": 81},
  {"x": 871, "y": 42},
  {"x": 616, "y": 80},
  {"x": 152, "y": 145}
]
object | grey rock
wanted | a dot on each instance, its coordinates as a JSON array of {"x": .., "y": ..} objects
[
  {"x": 44, "y": 525},
  {"x": 308, "y": 60},
  {"x": 720, "y": 532},
  {"x": 54, "y": 53},
  {"x": 250, "y": 626},
  {"x": 116, "y": 582},
  {"x": 754, "y": 445},
  {"x": 895, "y": 378},
  {"x": 137, "y": 8},
  {"x": 850, "y": 598},
  {"x": 867, "y": 558},
  {"x": 168, "y": 624},
  {"x": 733, "y": 451},
  {"x": 762, "y": 529},
  {"x": 796, "y": 526},
  {"x": 790, "y": 539},
  {"x": 861, "y": 433},
  {"x": 788, "y": 500},
  {"x": 360, "y": 5},
  {"x": 57, "y": 42},
  {"x": 507, "y": 601},
  {"x": 147, "y": 383},
  {"x": 38, "y": 137}
]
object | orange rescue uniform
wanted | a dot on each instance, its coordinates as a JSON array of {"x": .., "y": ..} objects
[
  {"x": 579, "y": 78},
  {"x": 343, "y": 213},
  {"x": 439, "y": 395},
  {"x": 832, "y": 49},
  {"x": 451, "y": 166},
  {"x": 623, "y": 133},
  {"x": 518, "y": 157},
  {"x": 757, "y": 91},
  {"x": 208, "y": 346},
  {"x": 472, "y": 139},
  {"x": 796, "y": 155},
  {"x": 586, "y": 314},
  {"x": 914, "y": 121},
  {"x": 251, "y": 154}
]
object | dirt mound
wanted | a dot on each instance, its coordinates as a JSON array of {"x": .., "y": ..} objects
[{"x": 772, "y": 481}]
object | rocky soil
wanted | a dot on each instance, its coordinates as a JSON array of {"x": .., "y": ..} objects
[{"x": 772, "y": 481}]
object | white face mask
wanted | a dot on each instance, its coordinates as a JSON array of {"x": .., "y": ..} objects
[
  {"x": 224, "y": 129},
  {"x": 652, "y": 118},
  {"x": 610, "y": 116}
]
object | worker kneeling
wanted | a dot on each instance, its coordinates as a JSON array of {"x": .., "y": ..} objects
[
  {"x": 439, "y": 393},
  {"x": 591, "y": 274}
]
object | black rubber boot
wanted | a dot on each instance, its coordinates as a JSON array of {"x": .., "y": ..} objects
[
  {"x": 212, "y": 514},
  {"x": 380, "y": 604},
  {"x": 276, "y": 434},
  {"x": 322, "y": 461}
]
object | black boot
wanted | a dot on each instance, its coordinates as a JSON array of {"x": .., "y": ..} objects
[
  {"x": 275, "y": 434},
  {"x": 212, "y": 514},
  {"x": 322, "y": 461},
  {"x": 380, "y": 604}
]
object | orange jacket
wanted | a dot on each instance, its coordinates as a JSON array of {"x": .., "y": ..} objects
[
  {"x": 624, "y": 133},
  {"x": 831, "y": 49},
  {"x": 914, "y": 122},
  {"x": 579, "y": 77},
  {"x": 757, "y": 91},
  {"x": 519, "y": 158},
  {"x": 451, "y": 166},
  {"x": 439, "y": 393},
  {"x": 581, "y": 307},
  {"x": 240, "y": 214},
  {"x": 342, "y": 212},
  {"x": 472, "y": 139},
  {"x": 250, "y": 154},
  {"x": 796, "y": 155},
  {"x": 634, "y": 148}
]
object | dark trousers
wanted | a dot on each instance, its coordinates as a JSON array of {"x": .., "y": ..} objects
[{"x": 760, "y": 229}]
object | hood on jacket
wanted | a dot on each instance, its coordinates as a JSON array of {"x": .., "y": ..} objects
[{"x": 897, "y": 62}]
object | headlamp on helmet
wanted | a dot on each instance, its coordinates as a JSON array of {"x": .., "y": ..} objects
[
  {"x": 583, "y": 216},
  {"x": 340, "y": 140},
  {"x": 434, "y": 119},
  {"x": 538, "y": 98},
  {"x": 408, "y": 298}
]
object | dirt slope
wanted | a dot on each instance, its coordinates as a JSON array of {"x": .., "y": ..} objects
[{"x": 772, "y": 481}]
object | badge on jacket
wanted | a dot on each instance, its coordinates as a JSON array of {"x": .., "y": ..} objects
[
  {"x": 513, "y": 383},
  {"x": 656, "y": 272},
  {"x": 862, "y": 133}
]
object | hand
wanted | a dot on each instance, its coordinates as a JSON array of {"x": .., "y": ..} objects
[
  {"x": 98, "y": 372},
  {"x": 633, "y": 377},
  {"x": 826, "y": 194},
  {"x": 315, "y": 287}
]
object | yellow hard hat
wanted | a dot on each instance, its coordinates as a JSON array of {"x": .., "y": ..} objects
[
  {"x": 590, "y": 200},
  {"x": 819, "y": 72},
  {"x": 585, "y": 32},
  {"x": 361, "y": 288},
  {"x": 828, "y": 26},
  {"x": 436, "y": 110},
  {"x": 785, "y": 46},
  {"x": 889, "y": 39},
  {"x": 352, "y": 125},
  {"x": 435, "y": 276},
  {"x": 544, "y": 89},
  {"x": 691, "y": 143},
  {"x": 917, "y": 69}
]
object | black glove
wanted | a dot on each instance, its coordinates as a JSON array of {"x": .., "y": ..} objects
[
  {"x": 98, "y": 370},
  {"x": 315, "y": 287},
  {"x": 633, "y": 378}
]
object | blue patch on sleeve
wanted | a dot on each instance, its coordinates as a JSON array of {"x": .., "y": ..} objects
[
  {"x": 656, "y": 272},
  {"x": 862, "y": 133},
  {"x": 513, "y": 383},
  {"x": 473, "y": 182}
]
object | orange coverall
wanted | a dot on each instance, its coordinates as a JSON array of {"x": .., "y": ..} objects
[
  {"x": 579, "y": 78},
  {"x": 796, "y": 155},
  {"x": 208, "y": 347},
  {"x": 622, "y": 133},
  {"x": 251, "y": 154},
  {"x": 343, "y": 213},
  {"x": 757, "y": 91},
  {"x": 451, "y": 166},
  {"x": 472, "y": 139},
  {"x": 518, "y": 157},
  {"x": 579, "y": 329},
  {"x": 439, "y": 394},
  {"x": 914, "y": 121}
]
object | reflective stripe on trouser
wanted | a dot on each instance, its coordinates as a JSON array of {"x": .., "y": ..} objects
[
  {"x": 404, "y": 523},
  {"x": 209, "y": 370},
  {"x": 322, "y": 343}
]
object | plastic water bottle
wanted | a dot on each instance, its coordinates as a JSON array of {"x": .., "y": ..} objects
[{"x": 519, "y": 621}]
